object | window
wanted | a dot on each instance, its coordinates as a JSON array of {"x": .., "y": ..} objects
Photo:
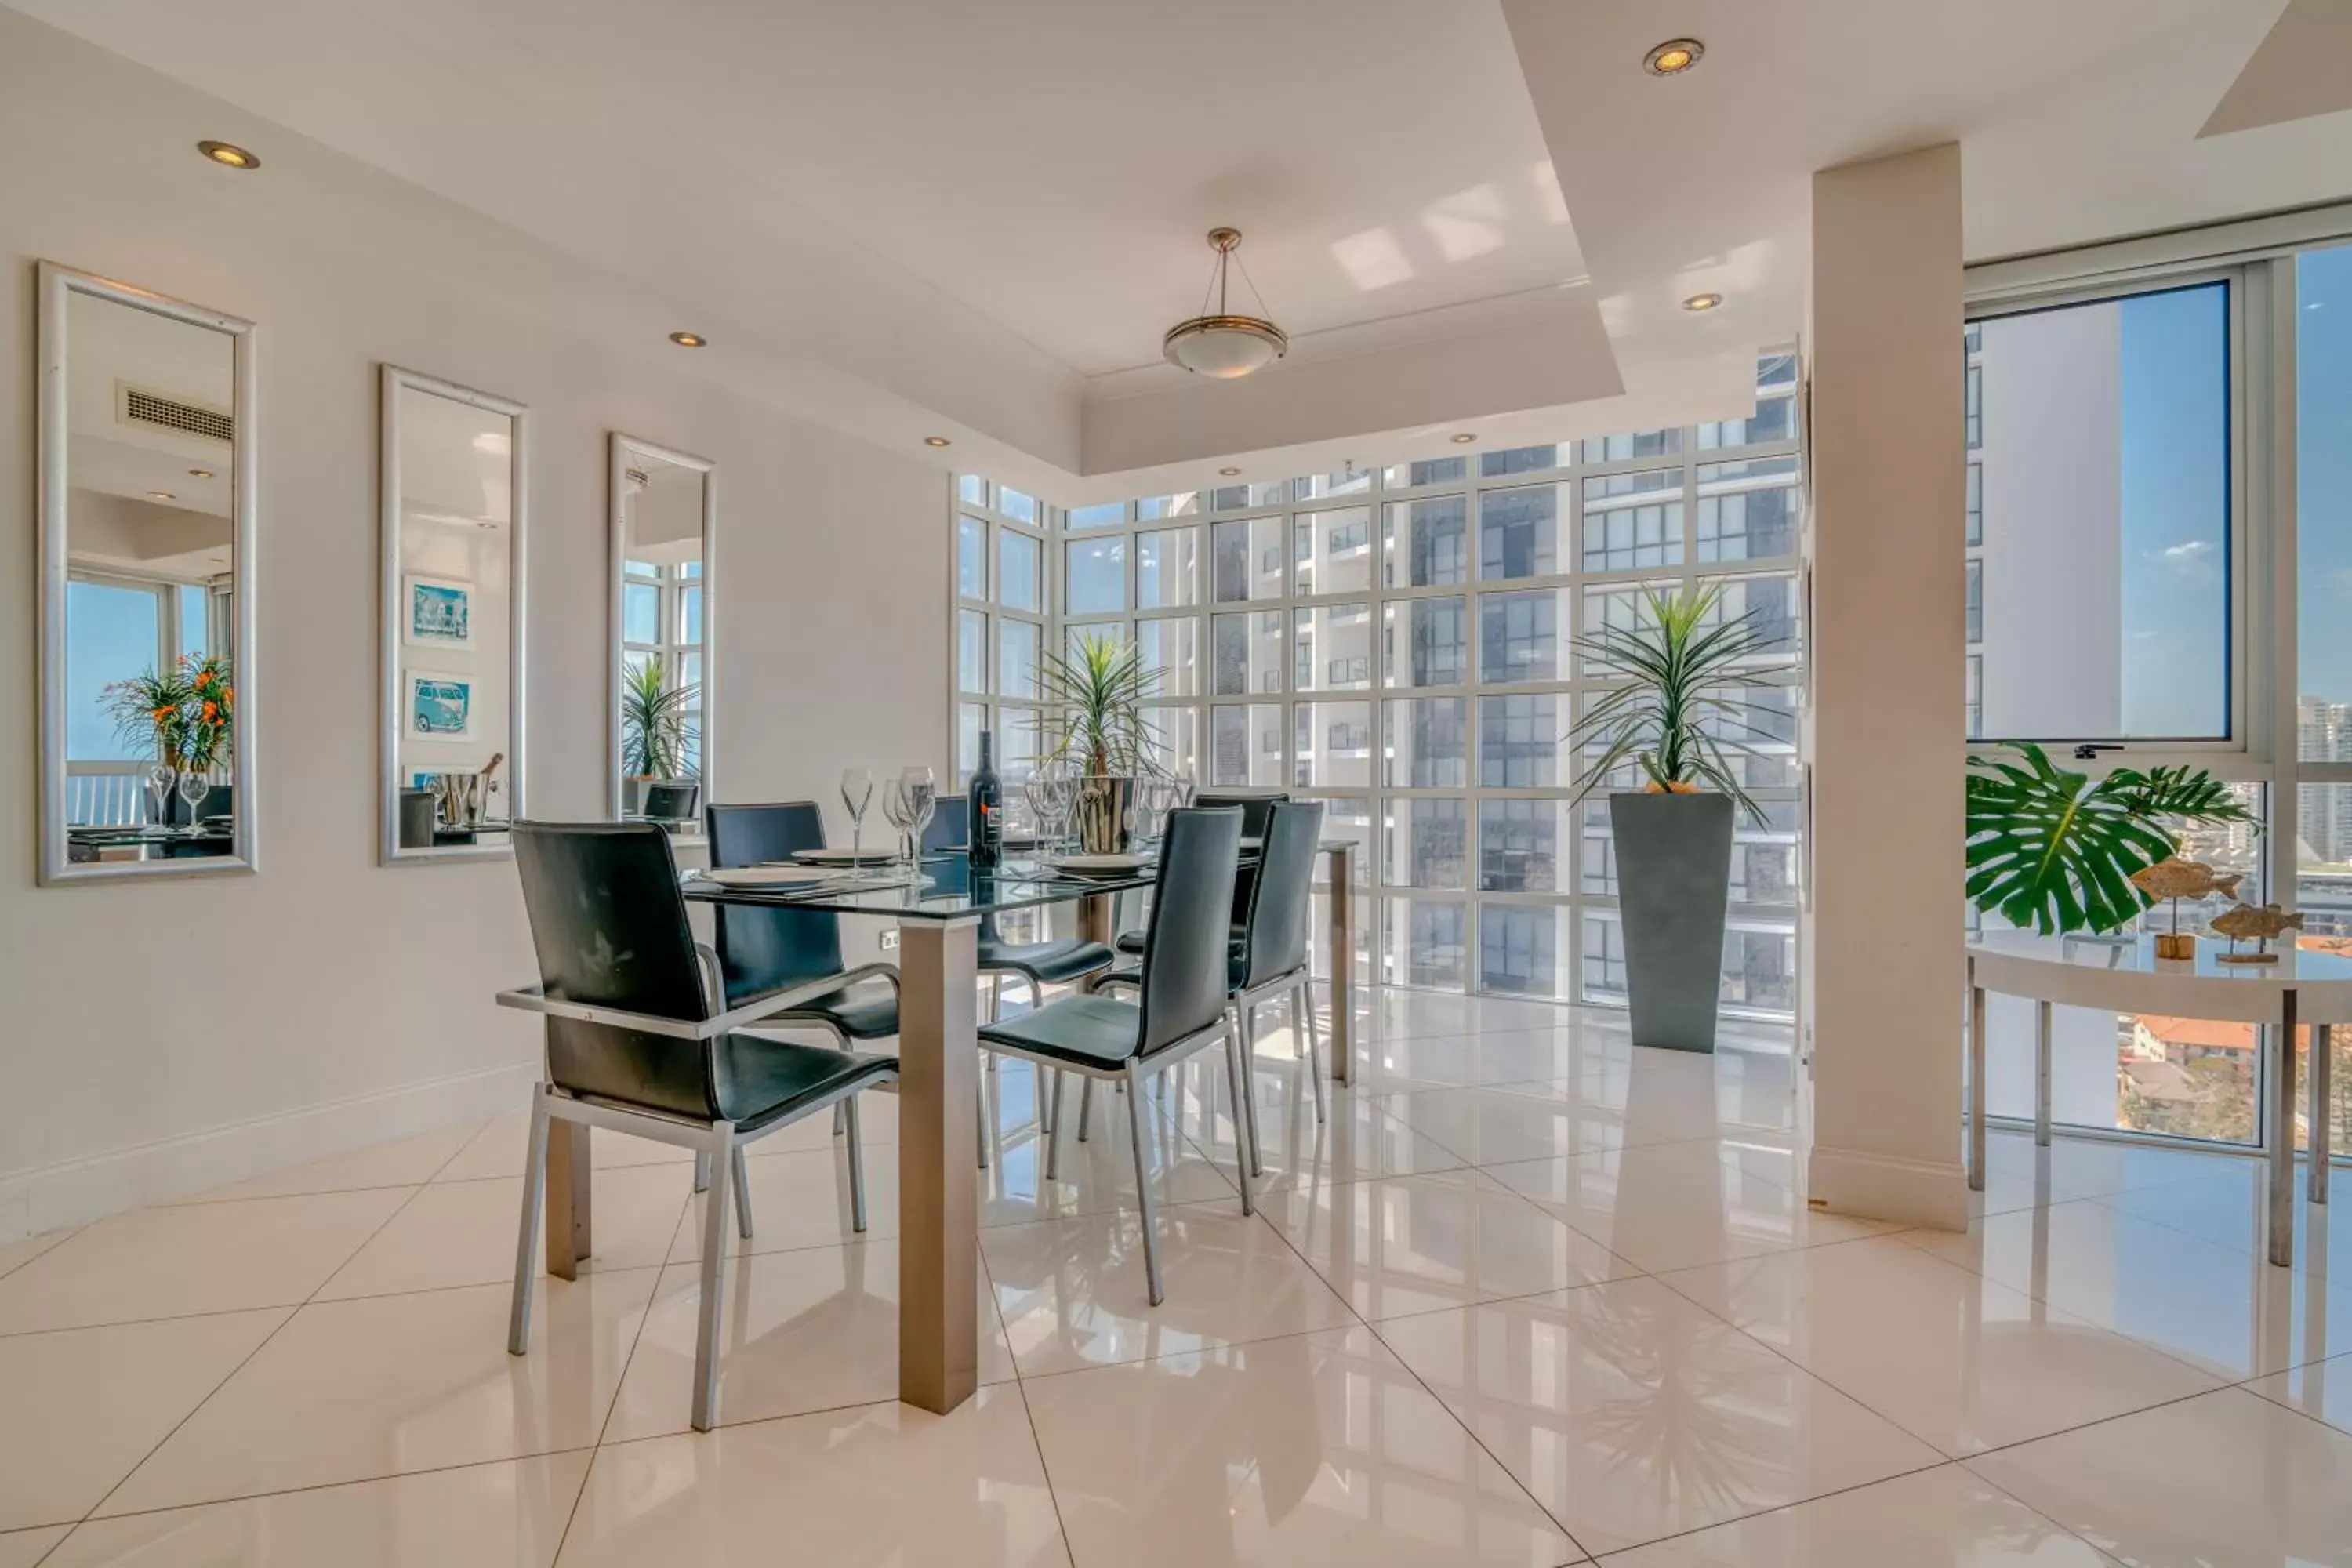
[
  {"x": 1976, "y": 505},
  {"x": 1020, "y": 568},
  {"x": 1976, "y": 603},
  {"x": 2103, "y": 579},
  {"x": 1397, "y": 641}
]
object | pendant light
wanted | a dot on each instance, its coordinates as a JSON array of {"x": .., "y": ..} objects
[{"x": 1224, "y": 344}]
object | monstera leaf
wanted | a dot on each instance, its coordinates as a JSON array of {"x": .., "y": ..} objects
[{"x": 2055, "y": 850}]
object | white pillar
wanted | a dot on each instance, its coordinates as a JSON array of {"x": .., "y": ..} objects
[{"x": 1883, "y": 1003}]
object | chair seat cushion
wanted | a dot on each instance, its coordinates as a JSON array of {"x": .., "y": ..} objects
[
  {"x": 865, "y": 1011},
  {"x": 1131, "y": 941},
  {"x": 1132, "y": 973},
  {"x": 1046, "y": 962},
  {"x": 761, "y": 1081},
  {"x": 1087, "y": 1030}
]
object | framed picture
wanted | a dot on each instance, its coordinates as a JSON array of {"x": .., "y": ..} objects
[
  {"x": 437, "y": 612},
  {"x": 439, "y": 707}
]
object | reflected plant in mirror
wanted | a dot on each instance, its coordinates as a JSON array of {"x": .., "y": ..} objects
[
  {"x": 662, "y": 669},
  {"x": 147, "y": 528}
]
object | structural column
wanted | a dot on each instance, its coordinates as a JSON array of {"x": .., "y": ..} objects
[{"x": 1885, "y": 736}]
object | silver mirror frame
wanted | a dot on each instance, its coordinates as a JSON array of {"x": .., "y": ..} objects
[
  {"x": 393, "y": 381},
  {"x": 56, "y": 285},
  {"x": 619, "y": 446}
]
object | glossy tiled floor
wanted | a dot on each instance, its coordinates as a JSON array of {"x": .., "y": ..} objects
[{"x": 1528, "y": 1296}]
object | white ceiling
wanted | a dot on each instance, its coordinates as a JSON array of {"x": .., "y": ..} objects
[{"x": 910, "y": 216}]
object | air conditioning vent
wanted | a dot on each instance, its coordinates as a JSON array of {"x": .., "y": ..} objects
[{"x": 140, "y": 406}]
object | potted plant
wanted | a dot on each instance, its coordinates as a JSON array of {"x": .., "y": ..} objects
[
  {"x": 184, "y": 717},
  {"x": 2056, "y": 852},
  {"x": 655, "y": 727},
  {"x": 1095, "y": 721},
  {"x": 1677, "y": 723}
]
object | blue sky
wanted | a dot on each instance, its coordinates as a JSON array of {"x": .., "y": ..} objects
[{"x": 2323, "y": 471}]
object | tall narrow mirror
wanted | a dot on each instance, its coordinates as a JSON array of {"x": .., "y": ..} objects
[
  {"x": 664, "y": 508},
  {"x": 146, "y": 607},
  {"x": 453, "y": 513}
]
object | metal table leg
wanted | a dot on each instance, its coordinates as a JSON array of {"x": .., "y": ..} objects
[
  {"x": 2322, "y": 1071},
  {"x": 939, "y": 1198},
  {"x": 1343, "y": 962},
  {"x": 2282, "y": 1130},
  {"x": 1976, "y": 1087},
  {"x": 569, "y": 1240},
  {"x": 2042, "y": 1074}
]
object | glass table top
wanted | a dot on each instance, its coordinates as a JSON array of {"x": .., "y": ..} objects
[{"x": 941, "y": 888}]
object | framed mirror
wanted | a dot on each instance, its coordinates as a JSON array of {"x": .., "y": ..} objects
[
  {"x": 664, "y": 506},
  {"x": 454, "y": 511},
  {"x": 146, "y": 499}
]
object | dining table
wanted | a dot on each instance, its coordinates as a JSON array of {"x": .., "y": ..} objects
[{"x": 938, "y": 905}]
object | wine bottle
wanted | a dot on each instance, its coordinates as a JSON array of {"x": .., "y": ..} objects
[{"x": 984, "y": 817}]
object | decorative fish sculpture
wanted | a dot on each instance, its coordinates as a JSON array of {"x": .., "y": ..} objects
[
  {"x": 2247, "y": 923},
  {"x": 2180, "y": 879}
]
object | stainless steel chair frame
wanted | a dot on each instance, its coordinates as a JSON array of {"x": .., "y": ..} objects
[{"x": 715, "y": 1143}]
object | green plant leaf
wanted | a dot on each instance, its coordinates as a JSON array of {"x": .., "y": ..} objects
[{"x": 2053, "y": 850}]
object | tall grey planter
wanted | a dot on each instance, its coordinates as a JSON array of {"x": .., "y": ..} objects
[{"x": 1673, "y": 877}]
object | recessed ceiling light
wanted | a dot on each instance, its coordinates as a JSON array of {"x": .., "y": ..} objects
[
  {"x": 200, "y": 473},
  {"x": 1465, "y": 439},
  {"x": 1673, "y": 57},
  {"x": 160, "y": 495},
  {"x": 228, "y": 152},
  {"x": 937, "y": 441},
  {"x": 1229, "y": 473},
  {"x": 689, "y": 339},
  {"x": 1702, "y": 302}
]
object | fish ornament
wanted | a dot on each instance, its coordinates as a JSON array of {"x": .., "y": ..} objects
[
  {"x": 2259, "y": 926},
  {"x": 2175, "y": 879}
]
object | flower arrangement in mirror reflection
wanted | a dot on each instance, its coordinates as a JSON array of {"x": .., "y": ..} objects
[{"x": 184, "y": 716}]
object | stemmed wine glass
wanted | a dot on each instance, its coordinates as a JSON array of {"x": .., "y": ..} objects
[
  {"x": 1062, "y": 783},
  {"x": 161, "y": 780},
  {"x": 1037, "y": 789},
  {"x": 856, "y": 794},
  {"x": 1183, "y": 785},
  {"x": 920, "y": 791},
  {"x": 1159, "y": 797},
  {"x": 900, "y": 813},
  {"x": 194, "y": 787}
]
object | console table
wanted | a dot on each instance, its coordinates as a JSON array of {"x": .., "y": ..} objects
[{"x": 2303, "y": 988}]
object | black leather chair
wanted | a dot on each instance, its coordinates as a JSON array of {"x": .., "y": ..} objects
[
  {"x": 671, "y": 801},
  {"x": 1180, "y": 1008},
  {"x": 640, "y": 1040},
  {"x": 1257, "y": 806},
  {"x": 764, "y": 951}
]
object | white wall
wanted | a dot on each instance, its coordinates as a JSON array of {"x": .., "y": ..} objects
[{"x": 326, "y": 1001}]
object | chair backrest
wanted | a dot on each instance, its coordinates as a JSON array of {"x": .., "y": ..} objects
[
  {"x": 950, "y": 827},
  {"x": 1274, "y": 934},
  {"x": 1257, "y": 806},
  {"x": 416, "y": 817},
  {"x": 670, "y": 802},
  {"x": 764, "y": 950},
  {"x": 610, "y": 929},
  {"x": 1186, "y": 950}
]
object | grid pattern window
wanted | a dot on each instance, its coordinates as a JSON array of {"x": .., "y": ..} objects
[
  {"x": 1398, "y": 642},
  {"x": 1006, "y": 577},
  {"x": 661, "y": 623}
]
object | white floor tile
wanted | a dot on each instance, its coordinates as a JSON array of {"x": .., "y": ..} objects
[
  {"x": 15, "y": 1254},
  {"x": 401, "y": 1162},
  {"x": 1677, "y": 1205},
  {"x": 1949, "y": 1356},
  {"x": 391, "y": 1386},
  {"x": 463, "y": 1233},
  {"x": 2227, "y": 1311},
  {"x": 1632, "y": 1414},
  {"x": 1499, "y": 1126},
  {"x": 2018, "y": 1176},
  {"x": 1942, "y": 1518},
  {"x": 500, "y": 1150},
  {"x": 80, "y": 1408},
  {"x": 1316, "y": 1450},
  {"x": 1073, "y": 1292},
  {"x": 2225, "y": 1480},
  {"x": 811, "y": 1329},
  {"x": 2321, "y": 1390},
  {"x": 800, "y": 1200},
  {"x": 885, "y": 1484},
  {"x": 1412, "y": 1243},
  {"x": 505, "y": 1515},
  {"x": 1096, "y": 1175},
  {"x": 197, "y": 1257},
  {"x": 1357, "y": 1140},
  {"x": 2230, "y": 1207},
  {"x": 24, "y": 1548}
]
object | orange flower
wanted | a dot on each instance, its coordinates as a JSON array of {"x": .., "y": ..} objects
[
  {"x": 212, "y": 710},
  {"x": 161, "y": 714},
  {"x": 204, "y": 679},
  {"x": 228, "y": 693}
]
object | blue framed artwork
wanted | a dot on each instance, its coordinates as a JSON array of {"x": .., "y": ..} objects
[
  {"x": 440, "y": 706},
  {"x": 439, "y": 612}
]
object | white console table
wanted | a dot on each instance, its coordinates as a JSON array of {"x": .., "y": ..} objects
[{"x": 2302, "y": 987}]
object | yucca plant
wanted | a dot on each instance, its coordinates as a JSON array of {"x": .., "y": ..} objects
[
  {"x": 655, "y": 727},
  {"x": 1095, "y": 699},
  {"x": 2056, "y": 850},
  {"x": 1674, "y": 719}
]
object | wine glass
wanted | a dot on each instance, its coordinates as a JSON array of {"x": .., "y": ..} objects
[
  {"x": 856, "y": 794},
  {"x": 1159, "y": 797},
  {"x": 1038, "y": 790},
  {"x": 194, "y": 787},
  {"x": 1063, "y": 796},
  {"x": 900, "y": 813},
  {"x": 922, "y": 795},
  {"x": 1185, "y": 784},
  {"x": 161, "y": 780}
]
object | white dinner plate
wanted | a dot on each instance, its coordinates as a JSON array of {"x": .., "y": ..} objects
[
  {"x": 1094, "y": 864},
  {"x": 874, "y": 857},
  {"x": 768, "y": 876}
]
